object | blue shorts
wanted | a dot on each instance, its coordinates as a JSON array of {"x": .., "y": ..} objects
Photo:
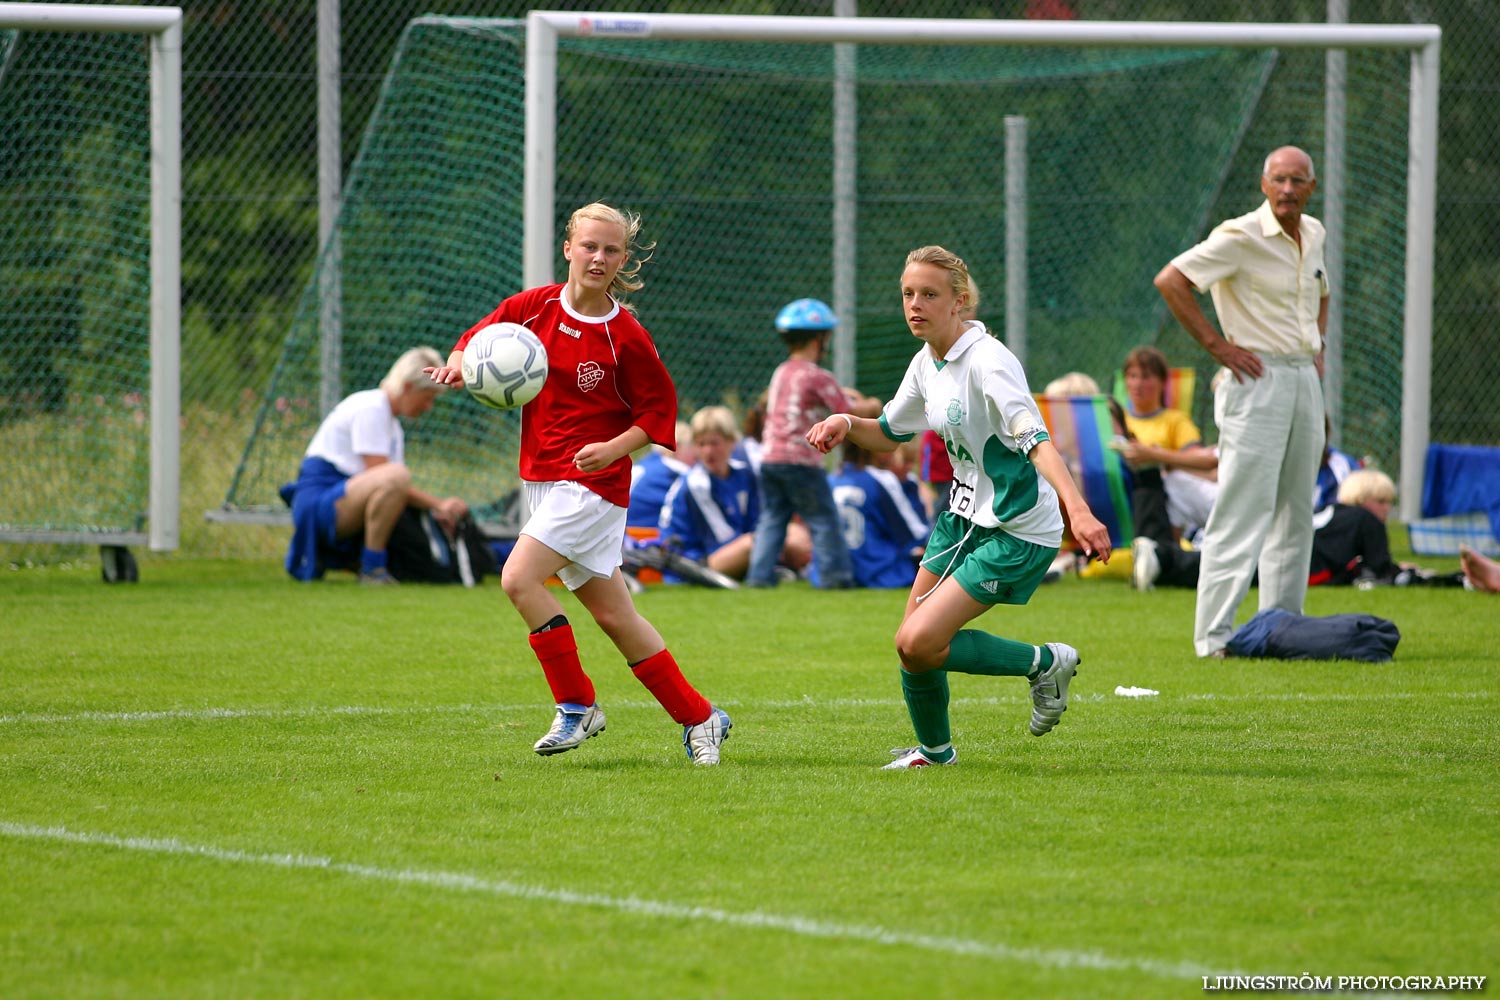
[{"x": 314, "y": 547}]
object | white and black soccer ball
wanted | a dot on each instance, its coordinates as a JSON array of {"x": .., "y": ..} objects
[{"x": 504, "y": 365}]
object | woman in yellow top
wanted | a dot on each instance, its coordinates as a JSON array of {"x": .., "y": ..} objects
[
  {"x": 1160, "y": 435},
  {"x": 1175, "y": 474}
]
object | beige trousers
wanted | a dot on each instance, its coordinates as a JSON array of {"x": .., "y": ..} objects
[{"x": 1270, "y": 444}]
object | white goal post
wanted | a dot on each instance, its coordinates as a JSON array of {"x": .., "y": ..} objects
[
  {"x": 164, "y": 25},
  {"x": 1423, "y": 41}
]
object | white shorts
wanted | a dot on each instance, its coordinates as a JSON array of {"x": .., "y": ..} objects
[{"x": 579, "y": 525}]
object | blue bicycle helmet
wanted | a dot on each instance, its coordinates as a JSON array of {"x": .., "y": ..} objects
[{"x": 805, "y": 314}]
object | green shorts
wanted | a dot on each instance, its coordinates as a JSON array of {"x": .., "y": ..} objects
[{"x": 992, "y": 565}]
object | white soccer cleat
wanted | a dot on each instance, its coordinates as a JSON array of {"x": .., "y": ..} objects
[
  {"x": 1049, "y": 688},
  {"x": 1145, "y": 565},
  {"x": 914, "y": 757},
  {"x": 702, "y": 741},
  {"x": 570, "y": 727}
]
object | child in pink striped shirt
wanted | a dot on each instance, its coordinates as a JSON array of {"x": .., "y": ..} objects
[{"x": 792, "y": 478}]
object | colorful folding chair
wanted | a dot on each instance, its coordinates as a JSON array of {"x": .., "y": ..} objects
[{"x": 1081, "y": 429}]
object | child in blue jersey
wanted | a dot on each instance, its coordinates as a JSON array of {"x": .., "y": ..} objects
[
  {"x": 711, "y": 512},
  {"x": 1005, "y": 520},
  {"x": 883, "y": 518},
  {"x": 1332, "y": 471},
  {"x": 651, "y": 479}
]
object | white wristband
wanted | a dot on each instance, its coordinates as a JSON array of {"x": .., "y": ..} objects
[{"x": 847, "y": 419}]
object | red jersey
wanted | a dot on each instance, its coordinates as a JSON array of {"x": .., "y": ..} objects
[{"x": 603, "y": 377}]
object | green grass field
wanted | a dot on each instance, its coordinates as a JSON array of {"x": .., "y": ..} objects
[{"x": 219, "y": 783}]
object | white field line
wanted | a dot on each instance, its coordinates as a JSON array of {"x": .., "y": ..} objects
[
  {"x": 1051, "y": 958},
  {"x": 211, "y": 714}
]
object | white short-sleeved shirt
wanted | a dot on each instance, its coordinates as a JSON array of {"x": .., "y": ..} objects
[
  {"x": 362, "y": 424},
  {"x": 977, "y": 399},
  {"x": 1266, "y": 289}
]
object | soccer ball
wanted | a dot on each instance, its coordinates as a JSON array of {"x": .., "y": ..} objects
[{"x": 504, "y": 366}]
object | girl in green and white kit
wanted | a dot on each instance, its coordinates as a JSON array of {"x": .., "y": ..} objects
[{"x": 1004, "y": 520}]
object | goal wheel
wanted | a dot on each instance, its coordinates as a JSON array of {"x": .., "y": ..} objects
[{"x": 118, "y": 565}]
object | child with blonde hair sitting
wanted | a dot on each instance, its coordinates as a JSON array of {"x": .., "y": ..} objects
[{"x": 1350, "y": 543}]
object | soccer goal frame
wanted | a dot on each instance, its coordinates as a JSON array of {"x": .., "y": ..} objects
[
  {"x": 543, "y": 28},
  {"x": 164, "y": 26}
]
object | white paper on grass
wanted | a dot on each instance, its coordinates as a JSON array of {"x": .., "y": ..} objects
[{"x": 1135, "y": 692}]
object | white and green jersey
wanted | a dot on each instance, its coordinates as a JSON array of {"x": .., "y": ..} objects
[{"x": 977, "y": 400}]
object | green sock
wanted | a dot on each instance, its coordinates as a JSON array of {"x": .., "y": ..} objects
[
  {"x": 976, "y": 652},
  {"x": 927, "y": 703}
]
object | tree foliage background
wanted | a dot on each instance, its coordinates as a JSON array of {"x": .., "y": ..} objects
[
  {"x": 250, "y": 191},
  {"x": 250, "y": 226}
]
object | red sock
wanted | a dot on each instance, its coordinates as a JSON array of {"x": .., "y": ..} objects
[
  {"x": 664, "y": 680},
  {"x": 558, "y": 652}
]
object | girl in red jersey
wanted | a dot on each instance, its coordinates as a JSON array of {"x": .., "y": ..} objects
[{"x": 607, "y": 394}]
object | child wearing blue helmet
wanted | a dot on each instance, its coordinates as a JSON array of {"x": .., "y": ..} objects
[{"x": 792, "y": 477}]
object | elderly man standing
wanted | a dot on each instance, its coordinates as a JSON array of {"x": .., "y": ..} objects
[{"x": 1266, "y": 274}]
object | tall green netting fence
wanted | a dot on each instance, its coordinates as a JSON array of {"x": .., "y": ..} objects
[
  {"x": 74, "y": 284},
  {"x": 429, "y": 240},
  {"x": 726, "y": 152}
]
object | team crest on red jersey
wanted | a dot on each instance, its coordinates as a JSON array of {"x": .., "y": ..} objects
[{"x": 590, "y": 375}]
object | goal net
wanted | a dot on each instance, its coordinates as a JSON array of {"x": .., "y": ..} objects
[
  {"x": 88, "y": 390},
  {"x": 726, "y": 150}
]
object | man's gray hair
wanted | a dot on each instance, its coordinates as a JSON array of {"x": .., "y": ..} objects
[{"x": 1265, "y": 168}]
